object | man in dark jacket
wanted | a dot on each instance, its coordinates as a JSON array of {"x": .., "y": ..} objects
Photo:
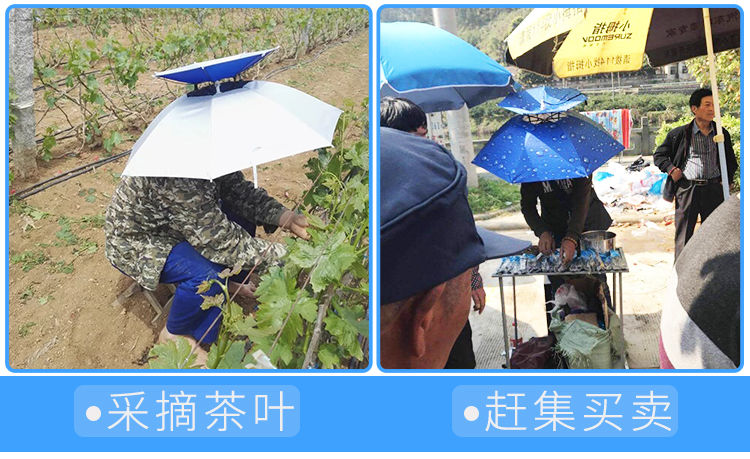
[
  {"x": 691, "y": 158},
  {"x": 568, "y": 208}
]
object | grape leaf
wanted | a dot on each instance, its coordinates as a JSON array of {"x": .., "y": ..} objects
[{"x": 171, "y": 355}]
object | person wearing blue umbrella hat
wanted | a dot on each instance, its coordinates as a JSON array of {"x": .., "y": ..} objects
[
  {"x": 553, "y": 161},
  {"x": 183, "y": 210}
]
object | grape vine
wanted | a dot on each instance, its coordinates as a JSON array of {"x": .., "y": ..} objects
[
  {"x": 93, "y": 65},
  {"x": 312, "y": 312}
]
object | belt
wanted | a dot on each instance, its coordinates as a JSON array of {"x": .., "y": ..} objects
[{"x": 701, "y": 182}]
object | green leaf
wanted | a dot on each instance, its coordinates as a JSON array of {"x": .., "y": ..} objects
[
  {"x": 248, "y": 327},
  {"x": 315, "y": 221},
  {"x": 355, "y": 317},
  {"x": 90, "y": 198},
  {"x": 232, "y": 359},
  {"x": 307, "y": 308},
  {"x": 212, "y": 361},
  {"x": 211, "y": 301},
  {"x": 328, "y": 357},
  {"x": 45, "y": 299},
  {"x": 171, "y": 355},
  {"x": 338, "y": 259},
  {"x": 204, "y": 286},
  {"x": 65, "y": 234}
]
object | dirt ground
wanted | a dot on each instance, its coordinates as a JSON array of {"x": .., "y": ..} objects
[
  {"x": 649, "y": 252},
  {"x": 61, "y": 286}
]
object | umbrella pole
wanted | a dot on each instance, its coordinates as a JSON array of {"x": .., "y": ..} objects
[
  {"x": 719, "y": 138},
  {"x": 255, "y": 176}
]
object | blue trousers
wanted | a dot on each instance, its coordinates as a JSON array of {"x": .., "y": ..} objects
[{"x": 188, "y": 269}]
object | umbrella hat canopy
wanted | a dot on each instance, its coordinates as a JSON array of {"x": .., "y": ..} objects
[
  {"x": 521, "y": 151},
  {"x": 213, "y": 135},
  {"x": 437, "y": 70},
  {"x": 216, "y": 69},
  {"x": 542, "y": 99}
]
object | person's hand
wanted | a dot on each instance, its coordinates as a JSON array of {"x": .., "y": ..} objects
[
  {"x": 546, "y": 243},
  {"x": 676, "y": 174},
  {"x": 295, "y": 223},
  {"x": 246, "y": 290},
  {"x": 568, "y": 250},
  {"x": 478, "y": 296}
]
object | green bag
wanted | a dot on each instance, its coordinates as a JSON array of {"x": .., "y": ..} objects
[{"x": 586, "y": 346}]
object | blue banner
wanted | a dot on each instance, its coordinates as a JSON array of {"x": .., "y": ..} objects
[{"x": 374, "y": 413}]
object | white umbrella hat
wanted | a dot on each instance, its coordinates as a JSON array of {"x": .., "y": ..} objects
[{"x": 207, "y": 134}]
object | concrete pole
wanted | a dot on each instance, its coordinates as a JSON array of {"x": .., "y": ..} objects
[
  {"x": 21, "y": 72},
  {"x": 459, "y": 126}
]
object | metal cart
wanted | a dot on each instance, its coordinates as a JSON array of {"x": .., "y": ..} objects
[{"x": 616, "y": 277}]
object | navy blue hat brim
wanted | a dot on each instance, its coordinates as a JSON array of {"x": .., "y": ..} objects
[
  {"x": 427, "y": 230},
  {"x": 498, "y": 245}
]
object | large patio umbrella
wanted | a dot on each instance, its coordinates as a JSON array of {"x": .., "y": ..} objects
[
  {"x": 223, "y": 128},
  {"x": 437, "y": 70},
  {"x": 616, "y": 39},
  {"x": 584, "y": 41}
]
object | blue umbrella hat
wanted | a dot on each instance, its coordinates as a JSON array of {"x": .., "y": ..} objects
[
  {"x": 542, "y": 99},
  {"x": 522, "y": 151},
  {"x": 437, "y": 70}
]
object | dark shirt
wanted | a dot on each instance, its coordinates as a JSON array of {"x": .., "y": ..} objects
[{"x": 568, "y": 207}]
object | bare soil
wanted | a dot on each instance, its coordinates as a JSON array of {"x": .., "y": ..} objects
[{"x": 63, "y": 319}]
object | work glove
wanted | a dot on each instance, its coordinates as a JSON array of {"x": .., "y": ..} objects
[{"x": 296, "y": 223}]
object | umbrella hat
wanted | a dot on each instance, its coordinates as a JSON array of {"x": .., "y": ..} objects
[
  {"x": 521, "y": 151},
  {"x": 542, "y": 99},
  {"x": 437, "y": 70},
  {"x": 207, "y": 136},
  {"x": 215, "y": 69}
]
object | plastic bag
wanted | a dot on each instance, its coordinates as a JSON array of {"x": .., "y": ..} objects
[{"x": 567, "y": 294}]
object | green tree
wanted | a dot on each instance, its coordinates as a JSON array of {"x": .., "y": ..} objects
[{"x": 727, "y": 75}]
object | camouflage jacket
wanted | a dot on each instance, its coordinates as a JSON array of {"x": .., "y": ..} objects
[{"x": 149, "y": 215}]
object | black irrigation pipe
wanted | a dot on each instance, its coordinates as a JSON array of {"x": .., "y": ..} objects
[{"x": 36, "y": 188}]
